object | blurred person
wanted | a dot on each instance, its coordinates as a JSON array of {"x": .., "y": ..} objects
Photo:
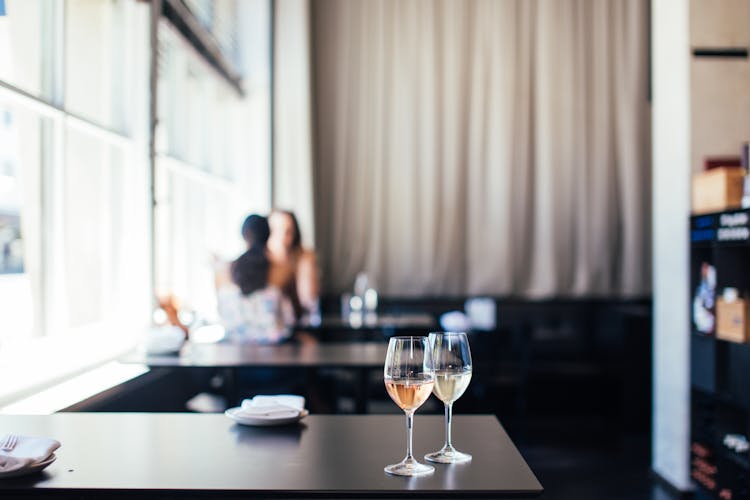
[
  {"x": 252, "y": 309},
  {"x": 293, "y": 268}
]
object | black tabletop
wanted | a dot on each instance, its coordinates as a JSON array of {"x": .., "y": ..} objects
[
  {"x": 332, "y": 354},
  {"x": 405, "y": 321},
  {"x": 325, "y": 456},
  {"x": 368, "y": 327}
]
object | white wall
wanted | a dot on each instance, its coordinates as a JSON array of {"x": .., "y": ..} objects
[
  {"x": 671, "y": 207},
  {"x": 720, "y": 100}
]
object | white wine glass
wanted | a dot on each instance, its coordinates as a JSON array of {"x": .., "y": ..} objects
[
  {"x": 409, "y": 377},
  {"x": 452, "y": 360}
]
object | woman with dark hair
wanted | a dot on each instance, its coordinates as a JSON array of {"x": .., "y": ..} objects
[
  {"x": 251, "y": 309},
  {"x": 292, "y": 268},
  {"x": 250, "y": 270}
]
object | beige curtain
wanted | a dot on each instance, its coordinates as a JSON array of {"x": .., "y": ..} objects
[{"x": 483, "y": 147}]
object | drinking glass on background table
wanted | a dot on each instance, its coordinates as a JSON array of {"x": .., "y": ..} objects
[
  {"x": 452, "y": 361},
  {"x": 409, "y": 377}
]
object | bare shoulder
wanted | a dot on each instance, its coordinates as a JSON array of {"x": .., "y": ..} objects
[{"x": 308, "y": 257}]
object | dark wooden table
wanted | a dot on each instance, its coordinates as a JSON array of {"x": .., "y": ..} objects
[
  {"x": 359, "y": 357},
  {"x": 159, "y": 455}
]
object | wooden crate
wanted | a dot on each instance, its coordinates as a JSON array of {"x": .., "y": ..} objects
[
  {"x": 718, "y": 189},
  {"x": 732, "y": 320}
]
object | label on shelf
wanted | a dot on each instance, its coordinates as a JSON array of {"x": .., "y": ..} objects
[
  {"x": 702, "y": 228},
  {"x": 729, "y": 227},
  {"x": 734, "y": 226}
]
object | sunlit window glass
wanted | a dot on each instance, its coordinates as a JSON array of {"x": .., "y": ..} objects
[
  {"x": 95, "y": 39},
  {"x": 23, "y": 45},
  {"x": 20, "y": 161}
]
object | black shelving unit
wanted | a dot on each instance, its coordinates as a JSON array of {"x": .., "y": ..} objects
[{"x": 720, "y": 370}]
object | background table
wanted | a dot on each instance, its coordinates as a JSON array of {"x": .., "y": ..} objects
[
  {"x": 227, "y": 355},
  {"x": 369, "y": 327},
  {"x": 324, "y": 456},
  {"x": 360, "y": 357}
]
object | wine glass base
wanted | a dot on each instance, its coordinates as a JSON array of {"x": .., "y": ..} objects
[
  {"x": 448, "y": 456},
  {"x": 409, "y": 468}
]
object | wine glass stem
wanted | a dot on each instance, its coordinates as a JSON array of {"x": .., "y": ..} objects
[
  {"x": 448, "y": 418},
  {"x": 409, "y": 425}
]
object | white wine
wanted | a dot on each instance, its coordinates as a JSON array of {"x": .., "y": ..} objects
[
  {"x": 409, "y": 394},
  {"x": 450, "y": 385}
]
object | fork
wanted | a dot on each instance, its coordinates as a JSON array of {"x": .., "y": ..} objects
[{"x": 10, "y": 442}]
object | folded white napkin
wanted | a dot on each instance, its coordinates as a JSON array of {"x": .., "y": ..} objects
[
  {"x": 282, "y": 405},
  {"x": 28, "y": 452}
]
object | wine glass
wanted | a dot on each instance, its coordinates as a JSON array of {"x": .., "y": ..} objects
[
  {"x": 409, "y": 377},
  {"x": 452, "y": 360}
]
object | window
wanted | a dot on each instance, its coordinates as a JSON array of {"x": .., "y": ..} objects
[
  {"x": 74, "y": 191},
  {"x": 200, "y": 204},
  {"x": 106, "y": 231},
  {"x": 23, "y": 48},
  {"x": 76, "y": 284},
  {"x": 21, "y": 133},
  {"x": 94, "y": 65}
]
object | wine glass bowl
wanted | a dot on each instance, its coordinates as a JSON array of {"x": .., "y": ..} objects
[
  {"x": 452, "y": 361},
  {"x": 409, "y": 378}
]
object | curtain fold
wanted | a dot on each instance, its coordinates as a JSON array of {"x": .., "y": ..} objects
[{"x": 483, "y": 147}]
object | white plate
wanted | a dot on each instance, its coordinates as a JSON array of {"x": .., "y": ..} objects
[
  {"x": 243, "y": 418},
  {"x": 31, "y": 469}
]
